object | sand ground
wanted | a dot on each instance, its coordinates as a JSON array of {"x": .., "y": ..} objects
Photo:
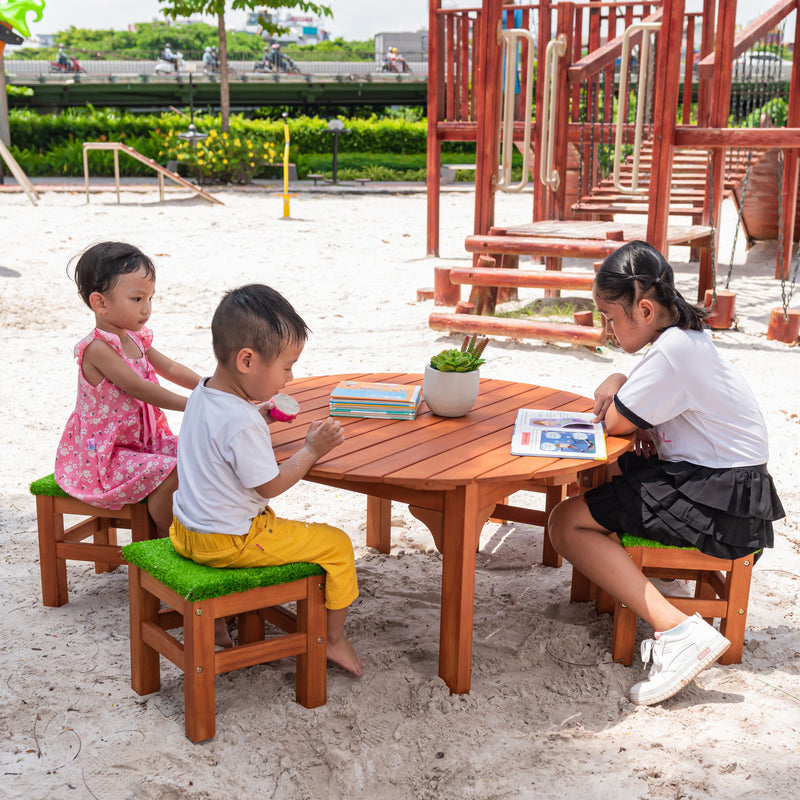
[{"x": 547, "y": 716}]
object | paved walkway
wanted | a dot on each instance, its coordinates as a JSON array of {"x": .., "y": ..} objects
[{"x": 106, "y": 184}]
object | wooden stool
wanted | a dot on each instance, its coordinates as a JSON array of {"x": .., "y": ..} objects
[
  {"x": 57, "y": 543},
  {"x": 722, "y": 591},
  {"x": 198, "y": 595}
]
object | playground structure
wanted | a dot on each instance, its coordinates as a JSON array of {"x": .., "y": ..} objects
[
  {"x": 632, "y": 110},
  {"x": 162, "y": 172}
]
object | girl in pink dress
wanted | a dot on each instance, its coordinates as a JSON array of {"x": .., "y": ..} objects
[{"x": 117, "y": 447}]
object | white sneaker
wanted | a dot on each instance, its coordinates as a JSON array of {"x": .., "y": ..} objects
[
  {"x": 673, "y": 588},
  {"x": 678, "y": 655}
]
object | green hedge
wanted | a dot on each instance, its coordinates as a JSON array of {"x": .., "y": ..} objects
[{"x": 381, "y": 149}]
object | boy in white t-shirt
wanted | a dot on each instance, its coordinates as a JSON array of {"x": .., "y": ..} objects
[{"x": 227, "y": 470}]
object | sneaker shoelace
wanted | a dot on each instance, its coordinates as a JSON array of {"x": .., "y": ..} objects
[{"x": 653, "y": 648}]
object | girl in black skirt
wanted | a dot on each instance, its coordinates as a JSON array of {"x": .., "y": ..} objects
[{"x": 697, "y": 476}]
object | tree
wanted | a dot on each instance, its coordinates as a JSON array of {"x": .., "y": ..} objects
[{"x": 185, "y": 8}]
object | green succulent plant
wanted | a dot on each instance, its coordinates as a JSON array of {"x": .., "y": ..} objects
[{"x": 467, "y": 359}]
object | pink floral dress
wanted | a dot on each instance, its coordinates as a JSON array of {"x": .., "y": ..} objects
[{"x": 115, "y": 449}]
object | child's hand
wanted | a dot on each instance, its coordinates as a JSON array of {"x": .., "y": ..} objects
[
  {"x": 604, "y": 394},
  {"x": 264, "y": 409},
  {"x": 323, "y": 436},
  {"x": 644, "y": 443}
]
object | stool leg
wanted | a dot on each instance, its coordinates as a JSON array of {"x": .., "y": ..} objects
[
  {"x": 623, "y": 637},
  {"x": 199, "y": 670},
  {"x": 312, "y": 618},
  {"x": 106, "y": 535},
  {"x": 53, "y": 569},
  {"x": 145, "y": 666},
  {"x": 737, "y": 590},
  {"x": 250, "y": 627},
  {"x": 142, "y": 525}
]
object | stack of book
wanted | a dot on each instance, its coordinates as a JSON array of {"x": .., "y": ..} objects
[{"x": 379, "y": 400}]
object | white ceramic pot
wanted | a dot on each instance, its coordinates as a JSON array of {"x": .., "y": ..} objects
[{"x": 450, "y": 394}]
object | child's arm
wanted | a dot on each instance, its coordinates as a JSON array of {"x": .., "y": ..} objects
[
  {"x": 171, "y": 370},
  {"x": 321, "y": 438},
  {"x": 100, "y": 361},
  {"x": 604, "y": 409}
]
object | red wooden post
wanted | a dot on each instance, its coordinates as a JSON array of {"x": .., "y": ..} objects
[
  {"x": 435, "y": 111},
  {"x": 540, "y": 191},
  {"x": 790, "y": 168},
  {"x": 487, "y": 55},
  {"x": 444, "y": 292},
  {"x": 706, "y": 46},
  {"x": 665, "y": 108}
]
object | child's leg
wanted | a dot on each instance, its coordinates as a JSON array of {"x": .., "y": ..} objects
[
  {"x": 587, "y": 546},
  {"x": 339, "y": 648},
  {"x": 159, "y": 502},
  {"x": 273, "y": 540}
]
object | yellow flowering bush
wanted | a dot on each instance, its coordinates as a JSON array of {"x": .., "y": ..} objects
[{"x": 218, "y": 159}]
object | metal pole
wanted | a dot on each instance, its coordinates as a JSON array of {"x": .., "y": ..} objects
[{"x": 335, "y": 153}]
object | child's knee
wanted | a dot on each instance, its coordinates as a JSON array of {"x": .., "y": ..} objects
[{"x": 561, "y": 520}]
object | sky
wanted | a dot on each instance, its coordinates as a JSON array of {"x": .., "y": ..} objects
[{"x": 352, "y": 19}]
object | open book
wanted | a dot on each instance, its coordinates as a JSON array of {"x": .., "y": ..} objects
[{"x": 565, "y": 434}]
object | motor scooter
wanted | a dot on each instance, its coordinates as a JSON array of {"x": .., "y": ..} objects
[
  {"x": 164, "y": 67},
  {"x": 70, "y": 66}
]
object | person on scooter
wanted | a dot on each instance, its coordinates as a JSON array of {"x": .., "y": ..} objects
[
  {"x": 276, "y": 58},
  {"x": 208, "y": 59},
  {"x": 62, "y": 59},
  {"x": 170, "y": 57}
]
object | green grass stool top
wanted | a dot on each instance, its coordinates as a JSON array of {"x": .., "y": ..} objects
[
  {"x": 637, "y": 541},
  {"x": 196, "y": 582},
  {"x": 47, "y": 486}
]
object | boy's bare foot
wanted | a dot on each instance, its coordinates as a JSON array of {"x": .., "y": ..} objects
[
  {"x": 343, "y": 653},
  {"x": 221, "y": 636}
]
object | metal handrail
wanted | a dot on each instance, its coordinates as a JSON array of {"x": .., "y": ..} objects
[
  {"x": 641, "y": 95},
  {"x": 510, "y": 38},
  {"x": 548, "y": 175}
]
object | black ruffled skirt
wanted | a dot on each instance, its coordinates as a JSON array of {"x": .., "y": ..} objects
[{"x": 726, "y": 513}]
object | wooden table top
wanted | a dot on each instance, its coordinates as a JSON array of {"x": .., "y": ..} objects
[{"x": 433, "y": 452}]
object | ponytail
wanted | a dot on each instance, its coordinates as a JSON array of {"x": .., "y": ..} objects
[{"x": 637, "y": 269}]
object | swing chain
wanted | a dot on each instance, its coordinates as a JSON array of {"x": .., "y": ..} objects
[
  {"x": 786, "y": 298},
  {"x": 739, "y": 218}
]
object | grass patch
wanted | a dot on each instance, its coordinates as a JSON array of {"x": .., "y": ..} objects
[{"x": 553, "y": 308}]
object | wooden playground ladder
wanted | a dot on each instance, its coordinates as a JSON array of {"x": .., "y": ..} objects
[{"x": 163, "y": 172}]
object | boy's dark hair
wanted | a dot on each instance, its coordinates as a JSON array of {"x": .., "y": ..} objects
[
  {"x": 637, "y": 270},
  {"x": 255, "y": 316},
  {"x": 98, "y": 268}
]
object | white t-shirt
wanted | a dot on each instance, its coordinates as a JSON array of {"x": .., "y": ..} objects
[
  {"x": 224, "y": 450},
  {"x": 700, "y": 405}
]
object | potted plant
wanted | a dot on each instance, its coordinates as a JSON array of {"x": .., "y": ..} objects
[{"x": 450, "y": 385}]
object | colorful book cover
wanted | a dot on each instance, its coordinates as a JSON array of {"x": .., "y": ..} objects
[
  {"x": 396, "y": 393},
  {"x": 564, "y": 434}
]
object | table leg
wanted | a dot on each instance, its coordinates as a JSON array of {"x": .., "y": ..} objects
[
  {"x": 459, "y": 543},
  {"x": 379, "y": 524},
  {"x": 553, "y": 496}
]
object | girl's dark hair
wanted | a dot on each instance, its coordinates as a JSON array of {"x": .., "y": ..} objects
[
  {"x": 638, "y": 270},
  {"x": 255, "y": 316},
  {"x": 98, "y": 268}
]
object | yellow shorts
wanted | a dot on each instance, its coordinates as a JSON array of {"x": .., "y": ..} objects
[{"x": 273, "y": 541}]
